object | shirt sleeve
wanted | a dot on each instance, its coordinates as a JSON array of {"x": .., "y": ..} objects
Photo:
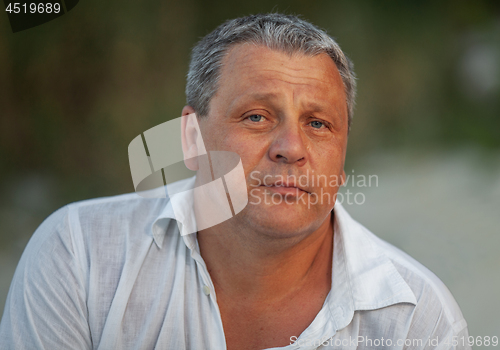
[{"x": 46, "y": 305}]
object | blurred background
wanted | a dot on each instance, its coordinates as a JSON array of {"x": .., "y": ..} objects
[{"x": 75, "y": 91}]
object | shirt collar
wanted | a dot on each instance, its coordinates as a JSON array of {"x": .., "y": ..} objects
[
  {"x": 179, "y": 207},
  {"x": 363, "y": 277}
]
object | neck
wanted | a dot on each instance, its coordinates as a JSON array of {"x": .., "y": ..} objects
[{"x": 246, "y": 264}]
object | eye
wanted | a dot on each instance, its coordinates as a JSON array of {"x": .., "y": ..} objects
[
  {"x": 256, "y": 118},
  {"x": 316, "y": 124}
]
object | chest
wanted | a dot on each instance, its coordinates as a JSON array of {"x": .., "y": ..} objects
[{"x": 267, "y": 325}]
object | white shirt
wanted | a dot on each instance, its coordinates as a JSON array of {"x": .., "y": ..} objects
[{"x": 115, "y": 273}]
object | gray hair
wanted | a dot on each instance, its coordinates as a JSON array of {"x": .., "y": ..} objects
[{"x": 279, "y": 32}]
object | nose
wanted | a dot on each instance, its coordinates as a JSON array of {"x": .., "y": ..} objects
[{"x": 289, "y": 147}]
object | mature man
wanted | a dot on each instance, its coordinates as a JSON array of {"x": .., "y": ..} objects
[{"x": 289, "y": 270}]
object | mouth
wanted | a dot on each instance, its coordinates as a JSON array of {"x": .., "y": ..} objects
[{"x": 285, "y": 189}]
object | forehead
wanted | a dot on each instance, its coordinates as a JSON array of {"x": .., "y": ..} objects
[
  {"x": 249, "y": 69},
  {"x": 260, "y": 56}
]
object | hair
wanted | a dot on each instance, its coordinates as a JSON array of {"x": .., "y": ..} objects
[{"x": 284, "y": 33}]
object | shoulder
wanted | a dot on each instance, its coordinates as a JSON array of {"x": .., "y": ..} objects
[
  {"x": 80, "y": 231},
  {"x": 109, "y": 221},
  {"x": 136, "y": 208},
  {"x": 436, "y": 311},
  {"x": 115, "y": 218},
  {"x": 391, "y": 274},
  {"x": 120, "y": 207}
]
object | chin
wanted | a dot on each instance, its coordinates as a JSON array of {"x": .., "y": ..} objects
[{"x": 282, "y": 220}]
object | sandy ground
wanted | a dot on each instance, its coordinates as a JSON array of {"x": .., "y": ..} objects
[{"x": 442, "y": 208}]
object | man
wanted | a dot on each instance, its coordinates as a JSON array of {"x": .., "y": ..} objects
[{"x": 290, "y": 270}]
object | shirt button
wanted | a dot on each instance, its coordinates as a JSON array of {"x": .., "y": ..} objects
[{"x": 206, "y": 290}]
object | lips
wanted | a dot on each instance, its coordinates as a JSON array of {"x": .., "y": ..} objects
[{"x": 286, "y": 188}]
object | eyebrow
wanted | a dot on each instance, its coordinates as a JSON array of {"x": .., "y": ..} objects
[{"x": 256, "y": 96}]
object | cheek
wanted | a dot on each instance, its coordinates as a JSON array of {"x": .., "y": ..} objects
[
  {"x": 329, "y": 159},
  {"x": 249, "y": 149},
  {"x": 215, "y": 133},
  {"x": 328, "y": 166}
]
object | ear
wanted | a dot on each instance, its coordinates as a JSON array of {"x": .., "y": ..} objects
[{"x": 191, "y": 138}]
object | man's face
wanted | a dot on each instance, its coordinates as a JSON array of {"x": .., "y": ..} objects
[{"x": 286, "y": 117}]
